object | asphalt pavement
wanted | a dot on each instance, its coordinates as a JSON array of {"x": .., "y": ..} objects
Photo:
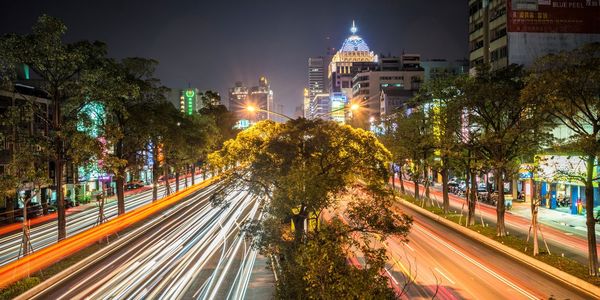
[{"x": 192, "y": 250}]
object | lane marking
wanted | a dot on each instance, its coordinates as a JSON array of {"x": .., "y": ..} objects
[
  {"x": 448, "y": 278},
  {"x": 478, "y": 264},
  {"x": 408, "y": 246}
]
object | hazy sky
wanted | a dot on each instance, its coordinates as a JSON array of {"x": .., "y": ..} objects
[{"x": 212, "y": 44}]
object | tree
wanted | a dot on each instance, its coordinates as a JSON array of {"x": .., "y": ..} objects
[
  {"x": 441, "y": 95},
  {"x": 410, "y": 131},
  {"x": 27, "y": 170},
  {"x": 569, "y": 85},
  {"x": 508, "y": 126},
  {"x": 301, "y": 167},
  {"x": 59, "y": 65}
]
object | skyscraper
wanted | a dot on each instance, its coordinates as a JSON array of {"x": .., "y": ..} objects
[
  {"x": 259, "y": 96},
  {"x": 317, "y": 75},
  {"x": 353, "y": 57}
]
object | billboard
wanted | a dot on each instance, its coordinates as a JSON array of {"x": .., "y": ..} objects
[
  {"x": 556, "y": 16},
  {"x": 539, "y": 27}
]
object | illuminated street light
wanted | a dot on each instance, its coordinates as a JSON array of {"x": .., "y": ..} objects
[
  {"x": 251, "y": 108},
  {"x": 354, "y": 107}
]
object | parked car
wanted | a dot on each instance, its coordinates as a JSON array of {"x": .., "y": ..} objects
[{"x": 132, "y": 185}]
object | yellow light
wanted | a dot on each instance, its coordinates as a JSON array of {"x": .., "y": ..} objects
[
  {"x": 251, "y": 108},
  {"x": 354, "y": 106}
]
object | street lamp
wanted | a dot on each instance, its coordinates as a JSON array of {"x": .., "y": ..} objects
[{"x": 252, "y": 108}]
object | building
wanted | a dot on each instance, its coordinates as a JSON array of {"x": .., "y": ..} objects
[
  {"x": 503, "y": 32},
  {"x": 259, "y": 96},
  {"x": 353, "y": 57},
  {"x": 393, "y": 98},
  {"x": 188, "y": 100},
  {"x": 238, "y": 95},
  {"x": 438, "y": 68},
  {"x": 403, "y": 73},
  {"x": 320, "y": 107},
  {"x": 306, "y": 104},
  {"x": 317, "y": 76}
]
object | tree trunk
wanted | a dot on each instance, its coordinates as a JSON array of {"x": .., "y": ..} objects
[
  {"x": 177, "y": 180},
  {"x": 446, "y": 198},
  {"x": 590, "y": 221},
  {"x": 534, "y": 219},
  {"x": 167, "y": 185},
  {"x": 500, "y": 207},
  {"x": 155, "y": 172},
  {"x": 416, "y": 181},
  {"x": 193, "y": 174},
  {"x": 472, "y": 198},
  {"x": 10, "y": 209},
  {"x": 58, "y": 164},
  {"x": 120, "y": 180},
  {"x": 426, "y": 182},
  {"x": 60, "y": 201},
  {"x": 400, "y": 174},
  {"x": 44, "y": 200}
]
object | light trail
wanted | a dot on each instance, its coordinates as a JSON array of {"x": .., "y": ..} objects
[{"x": 47, "y": 256}]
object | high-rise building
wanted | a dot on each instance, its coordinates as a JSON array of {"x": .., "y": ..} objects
[
  {"x": 259, "y": 96},
  {"x": 186, "y": 100},
  {"x": 306, "y": 104},
  {"x": 353, "y": 57},
  {"x": 320, "y": 106},
  {"x": 402, "y": 73},
  {"x": 504, "y": 32},
  {"x": 317, "y": 76}
]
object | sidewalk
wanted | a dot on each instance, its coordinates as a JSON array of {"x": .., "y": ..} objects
[
  {"x": 554, "y": 218},
  {"x": 562, "y": 221},
  {"x": 6, "y": 229}
]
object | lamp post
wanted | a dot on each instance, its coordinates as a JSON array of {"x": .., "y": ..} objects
[
  {"x": 252, "y": 109},
  {"x": 351, "y": 108}
]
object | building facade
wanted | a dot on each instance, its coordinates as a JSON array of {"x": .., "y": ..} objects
[
  {"x": 353, "y": 57},
  {"x": 439, "y": 68},
  {"x": 317, "y": 76},
  {"x": 503, "y": 32},
  {"x": 259, "y": 96}
]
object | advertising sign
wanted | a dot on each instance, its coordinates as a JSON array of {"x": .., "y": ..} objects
[{"x": 558, "y": 16}]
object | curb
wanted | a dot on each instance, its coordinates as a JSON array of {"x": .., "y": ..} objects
[{"x": 549, "y": 270}]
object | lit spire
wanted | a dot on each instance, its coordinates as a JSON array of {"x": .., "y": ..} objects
[{"x": 353, "y": 29}]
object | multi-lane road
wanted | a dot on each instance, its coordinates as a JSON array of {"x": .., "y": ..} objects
[
  {"x": 45, "y": 234},
  {"x": 442, "y": 261},
  {"x": 192, "y": 250},
  {"x": 567, "y": 243}
]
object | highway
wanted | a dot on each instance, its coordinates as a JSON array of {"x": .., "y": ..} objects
[
  {"x": 573, "y": 246},
  {"x": 437, "y": 256},
  {"x": 192, "y": 250},
  {"x": 45, "y": 234}
]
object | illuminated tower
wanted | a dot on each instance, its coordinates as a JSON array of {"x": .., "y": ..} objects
[{"x": 354, "y": 56}]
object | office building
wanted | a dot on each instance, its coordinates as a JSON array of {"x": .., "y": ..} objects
[
  {"x": 438, "y": 68},
  {"x": 503, "y": 32},
  {"x": 259, "y": 96},
  {"x": 353, "y": 57},
  {"x": 317, "y": 76}
]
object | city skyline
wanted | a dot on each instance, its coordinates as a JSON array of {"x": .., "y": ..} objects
[{"x": 247, "y": 48}]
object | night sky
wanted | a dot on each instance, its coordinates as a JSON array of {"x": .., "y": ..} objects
[{"x": 212, "y": 44}]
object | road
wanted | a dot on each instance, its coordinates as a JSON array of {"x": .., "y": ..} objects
[
  {"x": 437, "y": 256},
  {"x": 572, "y": 246},
  {"x": 193, "y": 250},
  {"x": 45, "y": 234}
]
